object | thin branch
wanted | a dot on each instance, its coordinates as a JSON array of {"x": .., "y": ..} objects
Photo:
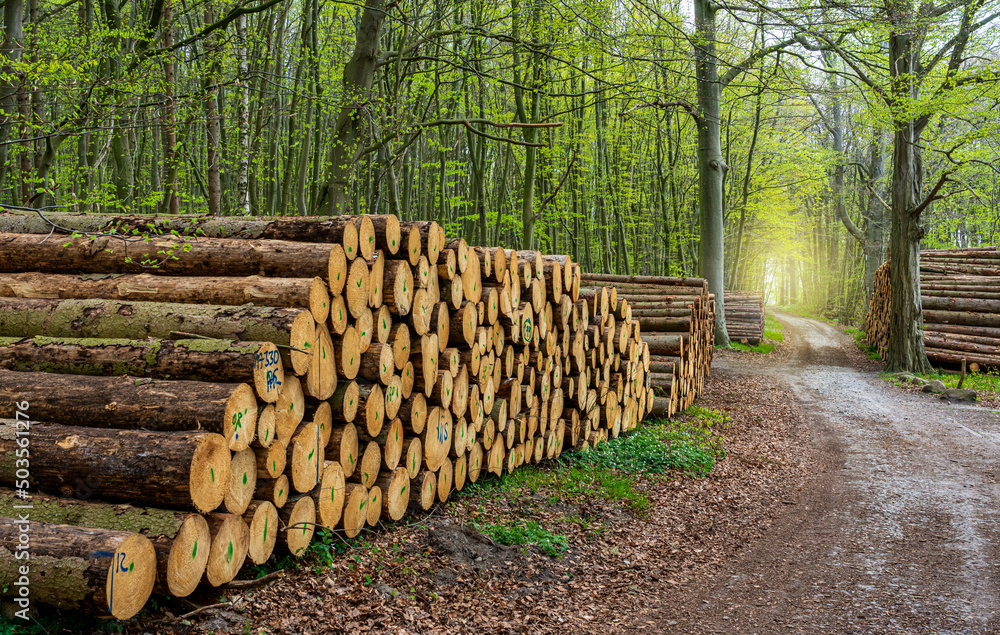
[{"x": 933, "y": 196}]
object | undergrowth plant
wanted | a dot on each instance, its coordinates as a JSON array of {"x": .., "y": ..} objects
[
  {"x": 859, "y": 341},
  {"x": 526, "y": 533},
  {"x": 772, "y": 333}
]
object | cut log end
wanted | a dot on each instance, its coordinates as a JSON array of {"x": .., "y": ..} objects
[
  {"x": 211, "y": 465},
  {"x": 188, "y": 556}
]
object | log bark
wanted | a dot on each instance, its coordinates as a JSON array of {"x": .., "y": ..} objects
[
  {"x": 140, "y": 320},
  {"x": 224, "y": 361},
  {"x": 292, "y": 293},
  {"x": 169, "y": 256},
  {"x": 127, "y": 403},
  {"x": 81, "y": 569},
  {"x": 185, "y": 470}
]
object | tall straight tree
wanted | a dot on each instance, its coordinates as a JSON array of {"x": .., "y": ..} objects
[{"x": 711, "y": 166}]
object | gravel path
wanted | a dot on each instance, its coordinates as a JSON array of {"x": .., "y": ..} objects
[{"x": 898, "y": 532}]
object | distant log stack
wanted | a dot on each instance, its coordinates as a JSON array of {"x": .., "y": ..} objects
[
  {"x": 745, "y": 316},
  {"x": 251, "y": 379},
  {"x": 676, "y": 317},
  {"x": 960, "y": 300}
]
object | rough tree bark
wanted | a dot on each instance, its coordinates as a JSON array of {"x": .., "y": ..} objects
[
  {"x": 349, "y": 129},
  {"x": 711, "y": 166}
]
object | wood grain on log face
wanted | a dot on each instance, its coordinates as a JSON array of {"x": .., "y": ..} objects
[
  {"x": 343, "y": 447},
  {"x": 299, "y": 525},
  {"x": 376, "y": 266},
  {"x": 305, "y": 458},
  {"x": 366, "y": 236},
  {"x": 356, "y": 292},
  {"x": 270, "y": 461},
  {"x": 369, "y": 465},
  {"x": 274, "y": 490},
  {"x": 242, "y": 481},
  {"x": 262, "y": 520},
  {"x": 290, "y": 408},
  {"x": 414, "y": 452},
  {"x": 393, "y": 397},
  {"x": 374, "y": 505},
  {"x": 228, "y": 551},
  {"x": 355, "y": 516},
  {"x": 423, "y": 491},
  {"x": 330, "y": 495},
  {"x": 345, "y": 400},
  {"x": 394, "y": 487}
]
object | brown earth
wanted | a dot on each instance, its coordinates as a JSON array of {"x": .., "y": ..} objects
[{"x": 898, "y": 531}]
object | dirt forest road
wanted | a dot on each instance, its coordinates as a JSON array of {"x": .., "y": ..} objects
[{"x": 899, "y": 531}]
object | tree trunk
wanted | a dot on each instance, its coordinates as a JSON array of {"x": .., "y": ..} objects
[
  {"x": 165, "y": 256},
  {"x": 906, "y": 344},
  {"x": 243, "y": 119},
  {"x": 127, "y": 403},
  {"x": 139, "y": 320},
  {"x": 225, "y": 361},
  {"x": 292, "y": 293},
  {"x": 711, "y": 167},
  {"x": 351, "y": 123},
  {"x": 73, "y": 568}
]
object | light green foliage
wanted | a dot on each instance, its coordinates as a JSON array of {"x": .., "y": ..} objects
[
  {"x": 859, "y": 341},
  {"x": 773, "y": 328},
  {"x": 527, "y": 533},
  {"x": 988, "y": 382}
]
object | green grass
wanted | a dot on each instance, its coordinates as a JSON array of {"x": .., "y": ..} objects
[
  {"x": 859, "y": 341},
  {"x": 611, "y": 470},
  {"x": 773, "y": 329},
  {"x": 772, "y": 333},
  {"x": 526, "y": 533},
  {"x": 988, "y": 382},
  {"x": 763, "y": 348}
]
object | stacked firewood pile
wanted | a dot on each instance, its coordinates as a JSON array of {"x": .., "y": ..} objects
[
  {"x": 204, "y": 392},
  {"x": 960, "y": 300},
  {"x": 677, "y": 320},
  {"x": 745, "y": 316}
]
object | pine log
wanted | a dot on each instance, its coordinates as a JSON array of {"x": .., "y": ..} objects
[
  {"x": 127, "y": 403},
  {"x": 176, "y": 470},
  {"x": 293, "y": 293},
  {"x": 140, "y": 320},
  {"x": 185, "y": 550},
  {"x": 76, "y": 568},
  {"x": 170, "y": 256}
]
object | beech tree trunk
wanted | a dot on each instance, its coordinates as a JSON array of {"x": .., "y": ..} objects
[
  {"x": 906, "y": 343},
  {"x": 711, "y": 166},
  {"x": 359, "y": 74}
]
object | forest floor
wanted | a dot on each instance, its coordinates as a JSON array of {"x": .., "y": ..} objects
[{"x": 842, "y": 504}]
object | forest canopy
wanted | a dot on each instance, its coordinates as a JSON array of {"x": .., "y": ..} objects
[{"x": 567, "y": 126}]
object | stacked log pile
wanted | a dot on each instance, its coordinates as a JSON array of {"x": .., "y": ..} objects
[
  {"x": 745, "y": 316},
  {"x": 232, "y": 387},
  {"x": 677, "y": 319},
  {"x": 960, "y": 301}
]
